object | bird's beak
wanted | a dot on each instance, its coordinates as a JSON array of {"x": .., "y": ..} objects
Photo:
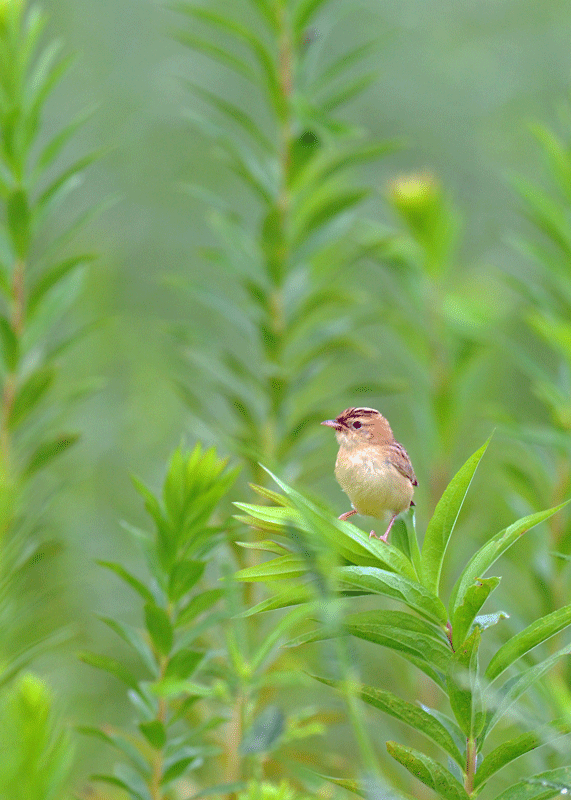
[{"x": 332, "y": 423}]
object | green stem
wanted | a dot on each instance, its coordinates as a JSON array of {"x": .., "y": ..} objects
[
  {"x": 10, "y": 383},
  {"x": 471, "y": 760}
]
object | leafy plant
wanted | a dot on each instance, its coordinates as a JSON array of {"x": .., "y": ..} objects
[
  {"x": 169, "y": 742},
  {"x": 36, "y": 750},
  {"x": 281, "y": 281},
  {"x": 441, "y": 640},
  {"x": 543, "y": 287},
  {"x": 39, "y": 283}
]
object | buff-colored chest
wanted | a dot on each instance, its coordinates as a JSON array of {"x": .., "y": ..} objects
[{"x": 372, "y": 482}]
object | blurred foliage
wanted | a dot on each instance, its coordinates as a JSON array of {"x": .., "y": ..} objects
[
  {"x": 169, "y": 742},
  {"x": 441, "y": 640},
  {"x": 37, "y": 753},
  {"x": 311, "y": 288},
  {"x": 292, "y": 344},
  {"x": 39, "y": 283}
]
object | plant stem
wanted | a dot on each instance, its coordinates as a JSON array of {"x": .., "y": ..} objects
[
  {"x": 10, "y": 383},
  {"x": 471, "y": 757}
]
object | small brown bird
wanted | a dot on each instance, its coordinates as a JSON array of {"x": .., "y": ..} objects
[{"x": 372, "y": 468}]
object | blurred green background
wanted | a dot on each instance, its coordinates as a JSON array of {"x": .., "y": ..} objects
[{"x": 458, "y": 83}]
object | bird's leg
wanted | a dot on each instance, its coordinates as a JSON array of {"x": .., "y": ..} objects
[
  {"x": 385, "y": 536},
  {"x": 347, "y": 514}
]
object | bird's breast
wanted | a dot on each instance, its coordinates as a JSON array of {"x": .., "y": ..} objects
[{"x": 372, "y": 482}]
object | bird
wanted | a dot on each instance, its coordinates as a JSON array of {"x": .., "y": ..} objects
[{"x": 372, "y": 468}]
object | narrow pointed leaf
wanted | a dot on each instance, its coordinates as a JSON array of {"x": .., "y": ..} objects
[
  {"x": 489, "y": 553},
  {"x": 159, "y": 627},
  {"x": 505, "y": 753},
  {"x": 198, "y": 605},
  {"x": 441, "y": 526},
  {"x": 52, "y": 277},
  {"x": 379, "y": 581},
  {"x": 542, "y": 786},
  {"x": 408, "y": 713},
  {"x": 515, "y": 687},
  {"x": 134, "y": 639},
  {"x": 219, "y": 54},
  {"x": 112, "y": 666},
  {"x": 47, "y": 451},
  {"x": 526, "y": 640},
  {"x": 10, "y": 345},
  {"x": 130, "y": 579},
  {"x": 402, "y": 632},
  {"x": 30, "y": 393},
  {"x": 465, "y": 614},
  {"x": 430, "y": 772},
  {"x": 276, "y": 569}
]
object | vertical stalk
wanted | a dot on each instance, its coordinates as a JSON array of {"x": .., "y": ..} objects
[
  {"x": 471, "y": 758},
  {"x": 10, "y": 383}
]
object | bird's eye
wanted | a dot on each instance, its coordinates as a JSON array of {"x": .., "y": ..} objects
[{"x": 356, "y": 424}]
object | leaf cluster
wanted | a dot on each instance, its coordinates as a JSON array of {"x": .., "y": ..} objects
[
  {"x": 442, "y": 639},
  {"x": 176, "y": 612},
  {"x": 39, "y": 279},
  {"x": 289, "y": 313}
]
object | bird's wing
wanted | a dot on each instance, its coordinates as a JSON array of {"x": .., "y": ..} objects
[{"x": 401, "y": 462}]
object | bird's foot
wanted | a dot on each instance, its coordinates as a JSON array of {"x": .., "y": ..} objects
[
  {"x": 347, "y": 514},
  {"x": 385, "y": 537}
]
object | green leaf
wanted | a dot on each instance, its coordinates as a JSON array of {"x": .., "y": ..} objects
[
  {"x": 236, "y": 114},
  {"x": 346, "y": 539},
  {"x": 18, "y": 221},
  {"x": 293, "y": 595},
  {"x": 304, "y": 12},
  {"x": 319, "y": 213},
  {"x": 110, "y": 665},
  {"x": 154, "y": 732},
  {"x": 343, "y": 62},
  {"x": 463, "y": 690},
  {"x": 198, "y": 605},
  {"x": 130, "y": 579},
  {"x": 524, "y": 641},
  {"x": 542, "y": 786},
  {"x": 54, "y": 147},
  {"x": 10, "y": 345},
  {"x": 489, "y": 553},
  {"x": 379, "y": 581},
  {"x": 430, "y": 772},
  {"x": 515, "y": 687},
  {"x": 465, "y": 614},
  {"x": 47, "y": 451},
  {"x": 409, "y": 635},
  {"x": 183, "y": 664},
  {"x": 52, "y": 277},
  {"x": 410, "y": 714},
  {"x": 441, "y": 526},
  {"x": 504, "y": 754},
  {"x": 219, "y": 54},
  {"x": 184, "y": 576},
  {"x": 121, "y": 784},
  {"x": 133, "y": 638},
  {"x": 177, "y": 769},
  {"x": 159, "y": 627},
  {"x": 261, "y": 53},
  {"x": 121, "y": 744},
  {"x": 264, "y": 732},
  {"x": 349, "y": 91},
  {"x": 30, "y": 394},
  {"x": 281, "y": 568}
]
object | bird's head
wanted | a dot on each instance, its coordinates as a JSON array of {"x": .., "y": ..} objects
[{"x": 359, "y": 426}]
